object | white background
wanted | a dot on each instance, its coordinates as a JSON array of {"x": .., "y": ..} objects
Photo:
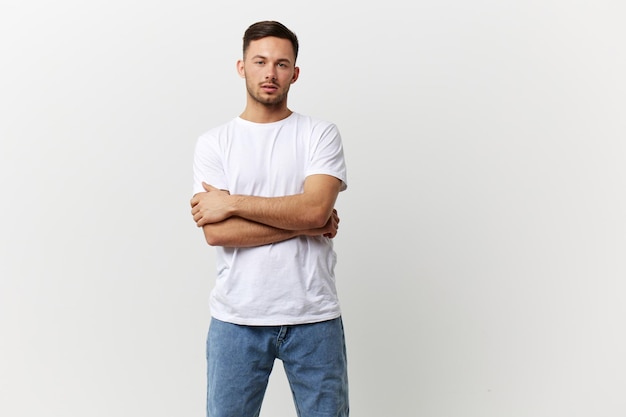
[{"x": 482, "y": 244}]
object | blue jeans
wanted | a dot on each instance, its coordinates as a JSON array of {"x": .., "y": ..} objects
[{"x": 240, "y": 360}]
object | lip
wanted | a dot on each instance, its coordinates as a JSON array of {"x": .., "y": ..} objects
[{"x": 269, "y": 87}]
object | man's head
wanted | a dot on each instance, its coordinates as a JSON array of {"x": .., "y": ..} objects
[
  {"x": 269, "y": 63},
  {"x": 267, "y": 28}
]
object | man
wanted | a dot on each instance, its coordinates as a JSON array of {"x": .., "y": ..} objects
[{"x": 265, "y": 186}]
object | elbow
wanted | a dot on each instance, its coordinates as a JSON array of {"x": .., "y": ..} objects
[
  {"x": 212, "y": 238},
  {"x": 317, "y": 218}
]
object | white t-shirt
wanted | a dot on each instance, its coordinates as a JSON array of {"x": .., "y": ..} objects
[{"x": 289, "y": 282}]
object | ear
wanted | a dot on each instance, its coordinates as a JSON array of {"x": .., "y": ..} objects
[
  {"x": 296, "y": 74},
  {"x": 240, "y": 69}
]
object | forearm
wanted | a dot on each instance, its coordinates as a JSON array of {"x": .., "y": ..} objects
[
  {"x": 308, "y": 210},
  {"x": 241, "y": 233},
  {"x": 289, "y": 212}
]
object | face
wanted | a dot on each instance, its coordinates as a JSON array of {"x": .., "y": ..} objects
[{"x": 269, "y": 69}]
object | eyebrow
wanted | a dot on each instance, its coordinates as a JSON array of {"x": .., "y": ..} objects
[{"x": 265, "y": 58}]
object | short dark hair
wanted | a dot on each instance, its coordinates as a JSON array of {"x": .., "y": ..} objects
[{"x": 267, "y": 28}]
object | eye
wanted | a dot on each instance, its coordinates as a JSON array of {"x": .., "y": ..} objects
[{"x": 259, "y": 62}]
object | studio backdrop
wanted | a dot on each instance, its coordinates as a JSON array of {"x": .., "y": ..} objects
[{"x": 481, "y": 253}]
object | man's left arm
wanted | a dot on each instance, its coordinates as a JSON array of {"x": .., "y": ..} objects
[{"x": 308, "y": 210}]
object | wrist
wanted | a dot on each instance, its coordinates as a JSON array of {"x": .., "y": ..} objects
[{"x": 234, "y": 204}]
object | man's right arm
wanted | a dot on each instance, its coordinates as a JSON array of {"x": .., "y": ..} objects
[{"x": 241, "y": 233}]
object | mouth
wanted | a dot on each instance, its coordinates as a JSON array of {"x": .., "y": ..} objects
[{"x": 269, "y": 88}]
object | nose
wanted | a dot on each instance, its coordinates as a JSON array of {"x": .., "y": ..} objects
[{"x": 271, "y": 76}]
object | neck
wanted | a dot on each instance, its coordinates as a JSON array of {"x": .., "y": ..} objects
[{"x": 261, "y": 113}]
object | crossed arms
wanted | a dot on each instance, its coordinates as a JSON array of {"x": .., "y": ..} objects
[{"x": 245, "y": 221}]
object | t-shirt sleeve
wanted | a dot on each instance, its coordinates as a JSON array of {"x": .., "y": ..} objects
[
  {"x": 208, "y": 164},
  {"x": 328, "y": 156}
]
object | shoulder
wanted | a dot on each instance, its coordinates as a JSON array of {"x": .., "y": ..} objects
[
  {"x": 217, "y": 135},
  {"x": 312, "y": 120},
  {"x": 316, "y": 125}
]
